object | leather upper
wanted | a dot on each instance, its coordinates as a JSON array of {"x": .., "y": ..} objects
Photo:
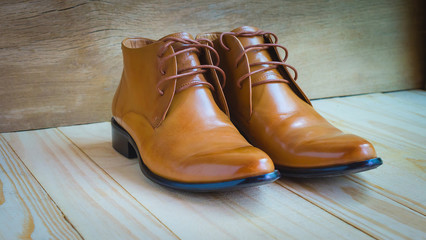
[
  {"x": 181, "y": 135},
  {"x": 277, "y": 117}
]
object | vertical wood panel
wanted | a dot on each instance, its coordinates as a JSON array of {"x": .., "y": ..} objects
[{"x": 60, "y": 61}]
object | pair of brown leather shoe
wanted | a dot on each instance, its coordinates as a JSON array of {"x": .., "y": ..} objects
[{"x": 172, "y": 108}]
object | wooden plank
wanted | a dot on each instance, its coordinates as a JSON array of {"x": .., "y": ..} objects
[
  {"x": 96, "y": 205},
  {"x": 395, "y": 124},
  {"x": 361, "y": 207},
  {"x": 416, "y": 97},
  {"x": 26, "y": 211},
  {"x": 60, "y": 61},
  {"x": 268, "y": 211},
  {"x": 397, "y": 129}
]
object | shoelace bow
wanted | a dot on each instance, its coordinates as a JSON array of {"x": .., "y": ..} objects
[
  {"x": 262, "y": 46},
  {"x": 190, "y": 45}
]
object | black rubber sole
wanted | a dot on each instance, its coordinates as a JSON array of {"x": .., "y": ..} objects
[
  {"x": 123, "y": 143},
  {"x": 333, "y": 171}
]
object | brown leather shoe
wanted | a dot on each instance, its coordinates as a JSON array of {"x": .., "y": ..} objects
[
  {"x": 165, "y": 114},
  {"x": 273, "y": 113}
]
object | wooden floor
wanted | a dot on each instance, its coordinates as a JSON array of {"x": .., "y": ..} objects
[{"x": 68, "y": 183}]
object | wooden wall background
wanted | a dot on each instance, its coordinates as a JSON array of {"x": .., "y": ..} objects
[{"x": 60, "y": 61}]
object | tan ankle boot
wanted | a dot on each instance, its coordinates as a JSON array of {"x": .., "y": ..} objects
[
  {"x": 273, "y": 113},
  {"x": 164, "y": 113}
]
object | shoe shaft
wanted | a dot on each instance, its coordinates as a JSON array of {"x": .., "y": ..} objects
[{"x": 137, "y": 92}]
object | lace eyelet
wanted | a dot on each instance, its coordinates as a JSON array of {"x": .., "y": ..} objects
[
  {"x": 161, "y": 92},
  {"x": 162, "y": 72}
]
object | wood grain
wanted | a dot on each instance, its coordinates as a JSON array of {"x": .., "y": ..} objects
[
  {"x": 268, "y": 211},
  {"x": 96, "y": 205},
  {"x": 361, "y": 207},
  {"x": 26, "y": 211},
  {"x": 376, "y": 202},
  {"x": 60, "y": 61}
]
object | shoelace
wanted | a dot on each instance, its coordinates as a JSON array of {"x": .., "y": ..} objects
[
  {"x": 262, "y": 46},
  {"x": 190, "y": 45}
]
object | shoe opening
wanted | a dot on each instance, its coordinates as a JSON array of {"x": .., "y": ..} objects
[{"x": 136, "y": 42}]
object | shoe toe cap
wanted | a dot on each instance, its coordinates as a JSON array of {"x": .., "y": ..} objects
[{"x": 340, "y": 149}]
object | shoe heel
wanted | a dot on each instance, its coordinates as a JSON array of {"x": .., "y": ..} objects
[{"x": 121, "y": 141}]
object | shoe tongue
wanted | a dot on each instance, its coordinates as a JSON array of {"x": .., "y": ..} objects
[
  {"x": 245, "y": 29},
  {"x": 182, "y": 35},
  {"x": 246, "y": 41},
  {"x": 257, "y": 55},
  {"x": 186, "y": 60}
]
